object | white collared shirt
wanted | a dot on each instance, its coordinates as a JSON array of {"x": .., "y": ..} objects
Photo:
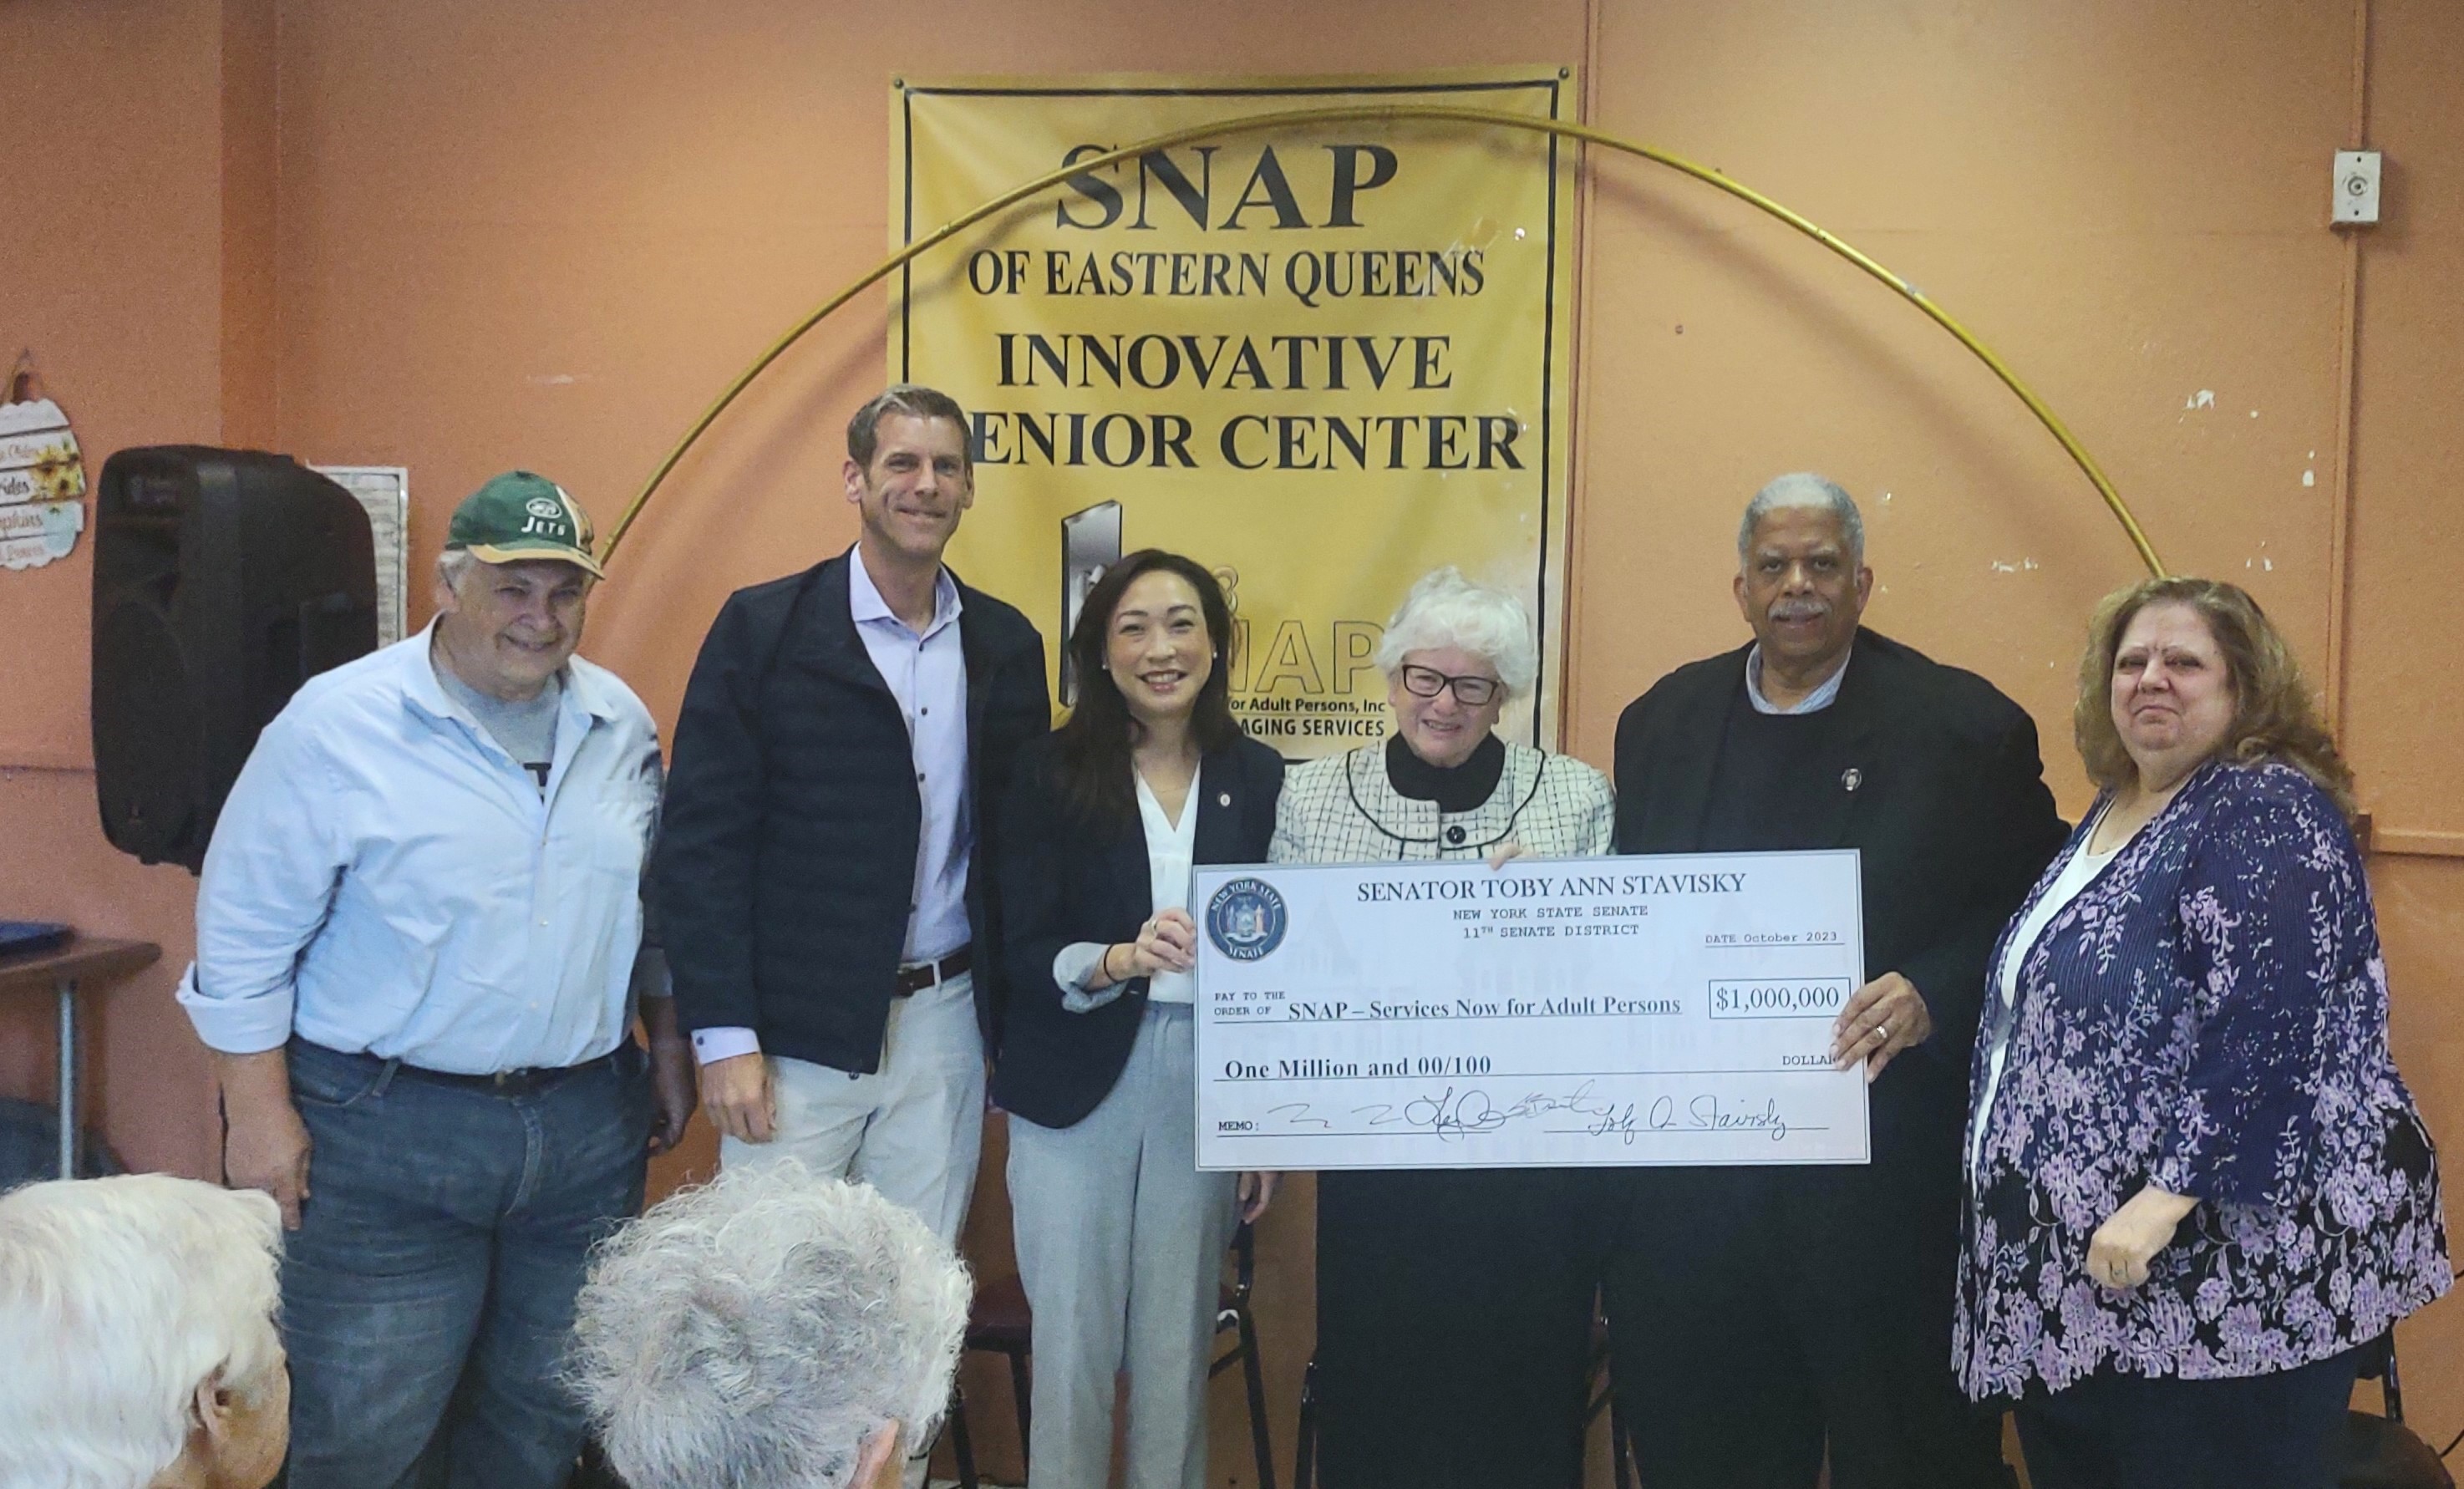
[
  {"x": 1172, "y": 854},
  {"x": 386, "y": 879},
  {"x": 1171, "y": 858}
]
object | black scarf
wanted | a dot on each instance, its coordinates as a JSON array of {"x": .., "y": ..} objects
[{"x": 1455, "y": 788}]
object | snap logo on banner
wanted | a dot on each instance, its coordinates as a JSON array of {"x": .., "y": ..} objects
[{"x": 1245, "y": 919}]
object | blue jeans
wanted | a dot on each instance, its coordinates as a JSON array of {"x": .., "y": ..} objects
[{"x": 427, "y": 1295}]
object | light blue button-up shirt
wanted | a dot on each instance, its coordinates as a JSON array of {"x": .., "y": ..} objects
[
  {"x": 927, "y": 673},
  {"x": 385, "y": 878}
]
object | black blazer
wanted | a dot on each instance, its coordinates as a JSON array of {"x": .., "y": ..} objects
[
  {"x": 786, "y": 852},
  {"x": 1061, "y": 883},
  {"x": 1950, "y": 814}
]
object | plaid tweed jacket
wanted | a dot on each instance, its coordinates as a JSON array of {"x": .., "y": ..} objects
[{"x": 1343, "y": 810}]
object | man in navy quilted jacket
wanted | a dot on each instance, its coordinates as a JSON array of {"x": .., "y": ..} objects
[{"x": 823, "y": 877}]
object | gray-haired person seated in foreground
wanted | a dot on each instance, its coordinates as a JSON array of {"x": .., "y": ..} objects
[
  {"x": 137, "y": 1337},
  {"x": 769, "y": 1330}
]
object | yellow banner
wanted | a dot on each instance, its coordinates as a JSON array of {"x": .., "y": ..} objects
[{"x": 1321, "y": 358}]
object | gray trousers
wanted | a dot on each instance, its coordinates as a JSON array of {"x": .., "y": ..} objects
[
  {"x": 913, "y": 1129},
  {"x": 1120, "y": 1246}
]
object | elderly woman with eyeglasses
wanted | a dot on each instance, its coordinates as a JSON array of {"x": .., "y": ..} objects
[{"x": 1454, "y": 1305}]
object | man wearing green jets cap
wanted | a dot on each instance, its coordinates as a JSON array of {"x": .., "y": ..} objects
[{"x": 419, "y": 960}]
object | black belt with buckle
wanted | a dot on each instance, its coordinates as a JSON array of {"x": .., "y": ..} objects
[
  {"x": 525, "y": 1082},
  {"x": 916, "y": 978}
]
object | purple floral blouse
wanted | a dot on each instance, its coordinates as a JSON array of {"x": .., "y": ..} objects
[{"x": 2209, "y": 1015}]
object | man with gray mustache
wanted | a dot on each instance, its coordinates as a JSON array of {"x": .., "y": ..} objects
[{"x": 1765, "y": 1318}]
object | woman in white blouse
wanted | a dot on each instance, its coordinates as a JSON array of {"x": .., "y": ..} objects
[{"x": 1120, "y": 1238}]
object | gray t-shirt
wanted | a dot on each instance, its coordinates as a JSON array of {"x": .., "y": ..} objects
[{"x": 526, "y": 730}]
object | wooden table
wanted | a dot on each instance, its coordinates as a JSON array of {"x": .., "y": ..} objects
[{"x": 84, "y": 958}]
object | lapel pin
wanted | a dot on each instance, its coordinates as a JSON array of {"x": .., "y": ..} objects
[
  {"x": 1225, "y": 799},
  {"x": 1850, "y": 779}
]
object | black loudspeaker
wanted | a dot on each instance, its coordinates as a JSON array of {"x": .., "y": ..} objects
[{"x": 222, "y": 579}]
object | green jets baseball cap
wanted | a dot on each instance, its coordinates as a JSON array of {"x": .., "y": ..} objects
[{"x": 519, "y": 516}]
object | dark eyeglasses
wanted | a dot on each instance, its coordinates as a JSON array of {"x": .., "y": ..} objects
[{"x": 1427, "y": 681}]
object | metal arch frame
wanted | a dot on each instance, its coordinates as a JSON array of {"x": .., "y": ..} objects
[{"x": 1397, "y": 113}]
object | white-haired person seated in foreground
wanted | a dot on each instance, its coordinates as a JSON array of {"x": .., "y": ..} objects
[
  {"x": 137, "y": 1347},
  {"x": 769, "y": 1330}
]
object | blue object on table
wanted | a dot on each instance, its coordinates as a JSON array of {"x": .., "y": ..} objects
[
  {"x": 18, "y": 937},
  {"x": 30, "y": 1147}
]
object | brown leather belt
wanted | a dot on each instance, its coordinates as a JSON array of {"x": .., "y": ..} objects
[{"x": 916, "y": 977}]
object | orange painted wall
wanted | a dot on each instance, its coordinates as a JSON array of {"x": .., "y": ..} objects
[
  {"x": 2404, "y": 712},
  {"x": 462, "y": 236},
  {"x": 112, "y": 273}
]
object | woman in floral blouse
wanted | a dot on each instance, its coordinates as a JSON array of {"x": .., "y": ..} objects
[{"x": 2196, "y": 1184}]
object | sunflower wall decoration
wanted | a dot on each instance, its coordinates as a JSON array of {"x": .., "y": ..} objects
[{"x": 42, "y": 474}]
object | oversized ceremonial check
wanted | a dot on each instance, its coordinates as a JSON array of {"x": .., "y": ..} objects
[{"x": 1615, "y": 1011}]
